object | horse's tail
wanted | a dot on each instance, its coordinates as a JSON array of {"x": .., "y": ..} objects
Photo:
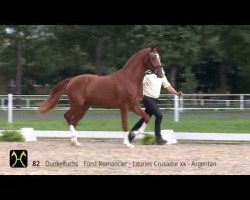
[{"x": 54, "y": 97}]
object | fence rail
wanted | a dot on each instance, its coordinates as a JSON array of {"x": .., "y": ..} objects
[{"x": 166, "y": 101}]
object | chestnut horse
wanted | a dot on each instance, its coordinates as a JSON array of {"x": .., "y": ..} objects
[{"x": 121, "y": 89}]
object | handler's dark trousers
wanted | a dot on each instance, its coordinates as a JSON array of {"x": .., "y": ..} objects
[{"x": 151, "y": 108}]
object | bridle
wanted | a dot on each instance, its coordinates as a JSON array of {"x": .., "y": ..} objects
[{"x": 156, "y": 69}]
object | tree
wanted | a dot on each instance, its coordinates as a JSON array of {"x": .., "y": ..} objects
[
  {"x": 16, "y": 36},
  {"x": 189, "y": 85},
  {"x": 226, "y": 48},
  {"x": 180, "y": 47},
  {"x": 212, "y": 58}
]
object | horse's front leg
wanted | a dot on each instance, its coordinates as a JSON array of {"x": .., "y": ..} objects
[
  {"x": 137, "y": 109},
  {"x": 124, "y": 115}
]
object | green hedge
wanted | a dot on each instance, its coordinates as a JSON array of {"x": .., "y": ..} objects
[
  {"x": 12, "y": 136},
  {"x": 148, "y": 139}
]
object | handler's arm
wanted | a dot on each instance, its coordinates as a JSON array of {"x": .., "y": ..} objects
[
  {"x": 171, "y": 90},
  {"x": 169, "y": 87}
]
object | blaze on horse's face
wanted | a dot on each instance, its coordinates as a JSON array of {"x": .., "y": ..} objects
[{"x": 155, "y": 61}]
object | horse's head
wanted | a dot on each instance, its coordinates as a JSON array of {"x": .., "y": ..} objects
[
  {"x": 149, "y": 58},
  {"x": 154, "y": 62}
]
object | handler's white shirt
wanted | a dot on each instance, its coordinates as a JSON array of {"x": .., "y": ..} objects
[{"x": 152, "y": 85}]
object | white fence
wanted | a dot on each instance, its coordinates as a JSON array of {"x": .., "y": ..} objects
[
  {"x": 31, "y": 135},
  {"x": 187, "y": 102}
]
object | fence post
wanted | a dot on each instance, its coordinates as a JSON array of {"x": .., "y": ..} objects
[
  {"x": 2, "y": 103},
  {"x": 27, "y": 103},
  {"x": 10, "y": 108},
  {"x": 181, "y": 104},
  {"x": 176, "y": 108},
  {"x": 241, "y": 102}
]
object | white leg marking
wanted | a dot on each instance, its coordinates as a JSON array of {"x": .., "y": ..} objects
[
  {"x": 74, "y": 136},
  {"x": 126, "y": 142},
  {"x": 142, "y": 128}
]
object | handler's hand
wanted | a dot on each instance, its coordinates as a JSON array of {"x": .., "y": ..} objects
[{"x": 180, "y": 94}]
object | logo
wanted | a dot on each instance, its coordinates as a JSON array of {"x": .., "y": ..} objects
[{"x": 18, "y": 158}]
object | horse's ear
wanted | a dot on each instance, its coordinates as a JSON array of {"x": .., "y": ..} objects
[{"x": 155, "y": 47}]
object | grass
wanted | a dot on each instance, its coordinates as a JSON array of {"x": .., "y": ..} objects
[
  {"x": 148, "y": 139},
  {"x": 101, "y": 121},
  {"x": 185, "y": 125},
  {"x": 11, "y": 136}
]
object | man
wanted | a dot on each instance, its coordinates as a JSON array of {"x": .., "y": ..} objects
[{"x": 151, "y": 92}]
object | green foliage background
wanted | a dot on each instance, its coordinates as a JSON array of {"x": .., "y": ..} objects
[
  {"x": 11, "y": 136},
  {"x": 197, "y": 58}
]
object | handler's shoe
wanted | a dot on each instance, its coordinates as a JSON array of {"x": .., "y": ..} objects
[{"x": 160, "y": 141}]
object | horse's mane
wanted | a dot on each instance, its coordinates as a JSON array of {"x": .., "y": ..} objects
[{"x": 132, "y": 58}]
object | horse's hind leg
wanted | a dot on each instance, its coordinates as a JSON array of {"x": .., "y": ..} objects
[
  {"x": 137, "y": 109},
  {"x": 72, "y": 117},
  {"x": 76, "y": 118}
]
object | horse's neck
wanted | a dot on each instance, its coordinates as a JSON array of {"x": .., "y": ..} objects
[
  {"x": 134, "y": 69},
  {"x": 137, "y": 73}
]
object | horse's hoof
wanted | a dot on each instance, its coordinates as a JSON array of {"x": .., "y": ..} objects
[
  {"x": 129, "y": 145},
  {"x": 76, "y": 143},
  {"x": 131, "y": 136}
]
